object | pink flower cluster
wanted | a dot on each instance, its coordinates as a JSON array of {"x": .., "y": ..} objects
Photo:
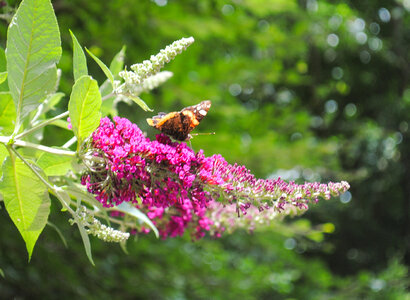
[
  {"x": 161, "y": 173},
  {"x": 179, "y": 189}
]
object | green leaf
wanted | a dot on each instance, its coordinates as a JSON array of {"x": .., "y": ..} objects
[
  {"x": 78, "y": 191},
  {"x": 86, "y": 242},
  {"x": 2, "y": 273},
  {"x": 79, "y": 60},
  {"x": 3, "y": 154},
  {"x": 3, "y": 68},
  {"x": 84, "y": 107},
  {"x": 60, "y": 234},
  {"x": 127, "y": 208},
  {"x": 33, "y": 49},
  {"x": 26, "y": 199},
  {"x": 117, "y": 64},
  {"x": 3, "y": 62},
  {"x": 103, "y": 67},
  {"x": 141, "y": 103},
  {"x": 7, "y": 113},
  {"x": 61, "y": 123},
  {"x": 108, "y": 107},
  {"x": 3, "y": 77},
  {"x": 54, "y": 164},
  {"x": 53, "y": 100}
]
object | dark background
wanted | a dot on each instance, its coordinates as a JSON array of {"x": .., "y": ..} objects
[{"x": 306, "y": 90}]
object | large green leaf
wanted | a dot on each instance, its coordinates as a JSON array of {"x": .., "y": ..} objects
[
  {"x": 79, "y": 60},
  {"x": 33, "y": 49},
  {"x": 26, "y": 199},
  {"x": 7, "y": 113},
  {"x": 54, "y": 164},
  {"x": 84, "y": 107}
]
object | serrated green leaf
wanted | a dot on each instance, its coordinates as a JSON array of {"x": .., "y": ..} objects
[
  {"x": 86, "y": 242},
  {"x": 60, "y": 234},
  {"x": 127, "y": 208},
  {"x": 7, "y": 113},
  {"x": 3, "y": 77},
  {"x": 79, "y": 59},
  {"x": 26, "y": 200},
  {"x": 141, "y": 103},
  {"x": 84, "y": 107},
  {"x": 117, "y": 64},
  {"x": 103, "y": 67},
  {"x": 54, "y": 164},
  {"x": 33, "y": 50}
]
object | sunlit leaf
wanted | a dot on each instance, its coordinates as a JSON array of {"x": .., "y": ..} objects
[
  {"x": 80, "y": 193},
  {"x": 33, "y": 49},
  {"x": 125, "y": 207},
  {"x": 141, "y": 103},
  {"x": 3, "y": 154},
  {"x": 26, "y": 199},
  {"x": 3, "y": 62},
  {"x": 53, "y": 100},
  {"x": 54, "y": 164},
  {"x": 3, "y": 68},
  {"x": 117, "y": 64},
  {"x": 84, "y": 107},
  {"x": 86, "y": 242},
  {"x": 7, "y": 113},
  {"x": 103, "y": 67},
  {"x": 79, "y": 59},
  {"x": 3, "y": 77}
]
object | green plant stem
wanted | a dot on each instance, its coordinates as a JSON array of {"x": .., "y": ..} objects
[
  {"x": 5, "y": 140},
  {"x": 108, "y": 96},
  {"x": 70, "y": 142},
  {"x": 49, "y": 121}
]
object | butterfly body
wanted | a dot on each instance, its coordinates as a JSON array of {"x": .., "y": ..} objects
[{"x": 179, "y": 124}]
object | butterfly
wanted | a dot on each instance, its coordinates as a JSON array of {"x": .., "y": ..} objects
[{"x": 179, "y": 124}]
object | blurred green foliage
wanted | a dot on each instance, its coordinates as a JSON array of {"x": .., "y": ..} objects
[{"x": 306, "y": 90}]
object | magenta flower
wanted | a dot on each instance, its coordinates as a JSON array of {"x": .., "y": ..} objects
[{"x": 179, "y": 189}]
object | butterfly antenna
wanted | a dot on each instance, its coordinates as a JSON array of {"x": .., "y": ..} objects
[{"x": 201, "y": 133}]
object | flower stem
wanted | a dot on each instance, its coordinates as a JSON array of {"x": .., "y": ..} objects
[{"x": 49, "y": 121}]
